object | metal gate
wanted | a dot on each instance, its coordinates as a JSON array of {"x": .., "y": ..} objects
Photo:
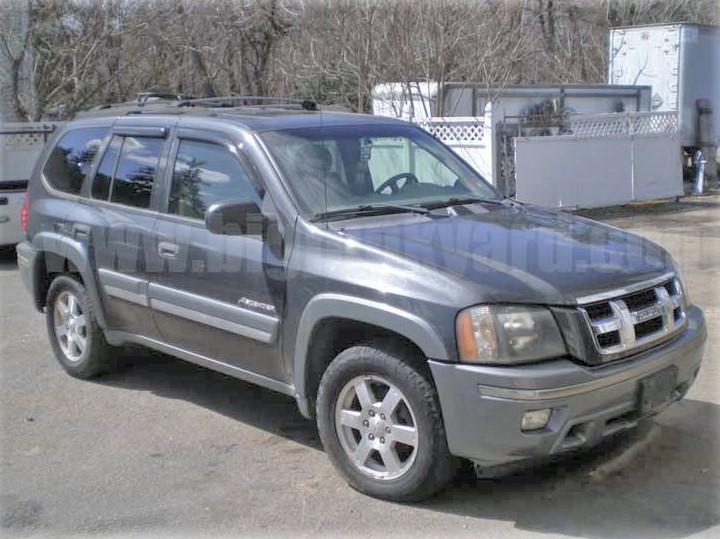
[{"x": 572, "y": 127}]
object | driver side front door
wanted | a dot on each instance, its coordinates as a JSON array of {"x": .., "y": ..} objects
[{"x": 215, "y": 296}]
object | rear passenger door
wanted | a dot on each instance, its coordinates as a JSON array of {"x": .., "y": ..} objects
[
  {"x": 124, "y": 193},
  {"x": 216, "y": 295}
]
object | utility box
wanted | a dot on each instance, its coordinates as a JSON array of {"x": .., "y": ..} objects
[{"x": 681, "y": 62}]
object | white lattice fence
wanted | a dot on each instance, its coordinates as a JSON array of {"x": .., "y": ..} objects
[
  {"x": 14, "y": 135},
  {"x": 23, "y": 139},
  {"x": 20, "y": 146},
  {"x": 466, "y": 136},
  {"x": 654, "y": 122},
  {"x": 455, "y": 129},
  {"x": 609, "y": 125}
]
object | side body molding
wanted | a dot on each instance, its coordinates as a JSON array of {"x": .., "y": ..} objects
[
  {"x": 75, "y": 252},
  {"x": 324, "y": 306}
]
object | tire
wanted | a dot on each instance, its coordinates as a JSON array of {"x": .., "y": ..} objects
[
  {"x": 70, "y": 323},
  {"x": 352, "y": 421}
]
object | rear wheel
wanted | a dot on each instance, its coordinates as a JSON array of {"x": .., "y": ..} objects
[
  {"x": 76, "y": 339},
  {"x": 380, "y": 423}
]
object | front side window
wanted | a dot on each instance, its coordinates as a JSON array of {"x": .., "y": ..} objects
[
  {"x": 72, "y": 157},
  {"x": 136, "y": 169},
  {"x": 337, "y": 169},
  {"x": 204, "y": 174}
]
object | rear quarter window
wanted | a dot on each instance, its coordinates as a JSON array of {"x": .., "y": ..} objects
[
  {"x": 136, "y": 170},
  {"x": 71, "y": 158}
]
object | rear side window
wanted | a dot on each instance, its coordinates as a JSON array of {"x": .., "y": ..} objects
[
  {"x": 103, "y": 176},
  {"x": 71, "y": 158},
  {"x": 136, "y": 170}
]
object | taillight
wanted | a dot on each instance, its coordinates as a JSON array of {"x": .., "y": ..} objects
[{"x": 24, "y": 212}]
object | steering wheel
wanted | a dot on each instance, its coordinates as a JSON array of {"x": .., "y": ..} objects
[{"x": 392, "y": 182}]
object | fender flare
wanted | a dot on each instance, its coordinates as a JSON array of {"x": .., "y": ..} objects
[
  {"x": 325, "y": 306},
  {"x": 67, "y": 248}
]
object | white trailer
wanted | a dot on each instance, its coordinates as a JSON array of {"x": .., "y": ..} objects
[
  {"x": 682, "y": 64},
  {"x": 407, "y": 101},
  {"x": 20, "y": 146}
]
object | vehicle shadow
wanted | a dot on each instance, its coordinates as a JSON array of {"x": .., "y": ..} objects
[
  {"x": 670, "y": 489},
  {"x": 142, "y": 369},
  {"x": 8, "y": 258},
  {"x": 663, "y": 208}
]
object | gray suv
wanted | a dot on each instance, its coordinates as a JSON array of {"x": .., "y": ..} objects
[{"x": 358, "y": 265}]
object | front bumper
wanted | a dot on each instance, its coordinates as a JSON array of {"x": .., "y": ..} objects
[{"x": 483, "y": 406}]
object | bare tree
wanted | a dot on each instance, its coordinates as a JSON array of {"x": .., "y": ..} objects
[
  {"x": 71, "y": 54},
  {"x": 14, "y": 55}
]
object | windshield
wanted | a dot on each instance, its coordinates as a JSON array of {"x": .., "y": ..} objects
[{"x": 343, "y": 168}]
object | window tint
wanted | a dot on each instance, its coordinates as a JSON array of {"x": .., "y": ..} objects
[
  {"x": 136, "y": 171},
  {"x": 103, "y": 176},
  {"x": 71, "y": 158},
  {"x": 204, "y": 174}
]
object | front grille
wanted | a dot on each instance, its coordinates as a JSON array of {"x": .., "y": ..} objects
[
  {"x": 640, "y": 300},
  {"x": 648, "y": 327},
  {"x": 637, "y": 319}
]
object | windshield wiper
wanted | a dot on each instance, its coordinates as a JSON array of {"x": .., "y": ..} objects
[
  {"x": 458, "y": 201},
  {"x": 369, "y": 209}
]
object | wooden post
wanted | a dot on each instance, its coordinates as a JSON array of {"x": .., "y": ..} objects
[{"x": 708, "y": 144}]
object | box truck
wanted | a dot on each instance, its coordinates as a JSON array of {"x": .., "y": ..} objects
[{"x": 681, "y": 62}]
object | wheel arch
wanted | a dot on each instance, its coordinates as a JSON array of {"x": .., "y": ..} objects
[
  {"x": 349, "y": 319},
  {"x": 57, "y": 254}
]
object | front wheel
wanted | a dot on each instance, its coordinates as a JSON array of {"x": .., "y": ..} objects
[{"x": 380, "y": 423}]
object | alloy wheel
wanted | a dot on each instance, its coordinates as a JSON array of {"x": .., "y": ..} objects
[
  {"x": 376, "y": 427},
  {"x": 70, "y": 325}
]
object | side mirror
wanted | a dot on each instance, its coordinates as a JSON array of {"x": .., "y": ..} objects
[{"x": 234, "y": 218}]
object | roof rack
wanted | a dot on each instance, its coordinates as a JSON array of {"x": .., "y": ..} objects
[
  {"x": 235, "y": 101},
  {"x": 169, "y": 100},
  {"x": 144, "y": 97}
]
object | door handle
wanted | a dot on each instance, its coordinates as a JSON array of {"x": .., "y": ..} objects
[
  {"x": 81, "y": 231},
  {"x": 60, "y": 227},
  {"x": 168, "y": 250}
]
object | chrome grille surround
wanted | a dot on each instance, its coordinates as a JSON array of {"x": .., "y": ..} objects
[{"x": 657, "y": 311}]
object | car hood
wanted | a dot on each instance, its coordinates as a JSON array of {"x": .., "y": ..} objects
[{"x": 517, "y": 253}]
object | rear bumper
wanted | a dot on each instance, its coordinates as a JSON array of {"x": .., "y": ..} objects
[
  {"x": 26, "y": 259},
  {"x": 483, "y": 406}
]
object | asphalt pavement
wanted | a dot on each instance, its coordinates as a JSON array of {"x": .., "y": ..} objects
[{"x": 165, "y": 448}]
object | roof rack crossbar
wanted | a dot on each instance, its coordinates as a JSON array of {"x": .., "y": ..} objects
[{"x": 248, "y": 100}]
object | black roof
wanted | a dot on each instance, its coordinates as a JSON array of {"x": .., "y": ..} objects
[
  {"x": 255, "y": 118},
  {"x": 290, "y": 120}
]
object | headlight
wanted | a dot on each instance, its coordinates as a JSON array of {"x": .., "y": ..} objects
[
  {"x": 504, "y": 335},
  {"x": 679, "y": 276}
]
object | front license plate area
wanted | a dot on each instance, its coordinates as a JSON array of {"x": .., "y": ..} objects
[{"x": 657, "y": 390}]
